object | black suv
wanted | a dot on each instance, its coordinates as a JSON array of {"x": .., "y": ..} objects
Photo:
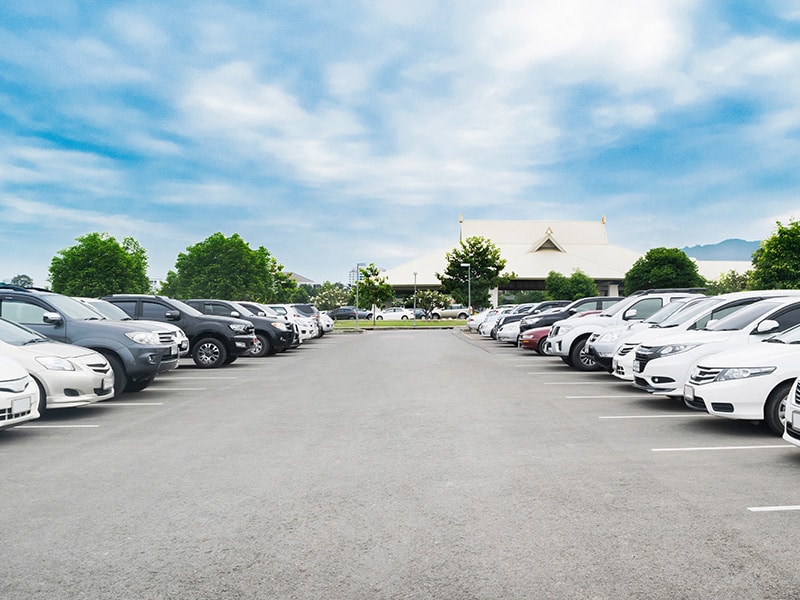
[
  {"x": 272, "y": 335},
  {"x": 136, "y": 352},
  {"x": 213, "y": 341},
  {"x": 594, "y": 303}
]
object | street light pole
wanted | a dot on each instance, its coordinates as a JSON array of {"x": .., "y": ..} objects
[
  {"x": 358, "y": 277},
  {"x": 415, "y": 298},
  {"x": 469, "y": 285}
]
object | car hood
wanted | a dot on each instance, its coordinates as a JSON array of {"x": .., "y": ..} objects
[
  {"x": 695, "y": 337},
  {"x": 46, "y": 349},
  {"x": 755, "y": 355}
]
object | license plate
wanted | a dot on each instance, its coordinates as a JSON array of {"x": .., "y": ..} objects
[
  {"x": 173, "y": 350},
  {"x": 688, "y": 393},
  {"x": 796, "y": 420},
  {"x": 637, "y": 366},
  {"x": 20, "y": 405}
]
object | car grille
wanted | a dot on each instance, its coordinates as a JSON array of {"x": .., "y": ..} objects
[
  {"x": 99, "y": 367},
  {"x": 644, "y": 355},
  {"x": 554, "y": 330},
  {"x": 7, "y": 415},
  {"x": 166, "y": 337},
  {"x": 797, "y": 393},
  {"x": 702, "y": 375},
  {"x": 625, "y": 348}
]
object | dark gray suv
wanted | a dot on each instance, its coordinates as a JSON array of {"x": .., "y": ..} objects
[{"x": 136, "y": 352}]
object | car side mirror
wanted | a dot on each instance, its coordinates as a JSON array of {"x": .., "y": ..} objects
[
  {"x": 173, "y": 315},
  {"x": 52, "y": 318},
  {"x": 767, "y": 325},
  {"x": 235, "y": 313},
  {"x": 630, "y": 314}
]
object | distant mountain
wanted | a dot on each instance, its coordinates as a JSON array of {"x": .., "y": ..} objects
[{"x": 732, "y": 249}]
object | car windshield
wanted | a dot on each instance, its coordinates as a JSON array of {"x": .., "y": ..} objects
[
  {"x": 743, "y": 317},
  {"x": 671, "y": 308},
  {"x": 17, "y": 335},
  {"x": 189, "y": 310},
  {"x": 243, "y": 310},
  {"x": 108, "y": 310},
  {"x": 689, "y": 312},
  {"x": 615, "y": 308},
  {"x": 72, "y": 308}
]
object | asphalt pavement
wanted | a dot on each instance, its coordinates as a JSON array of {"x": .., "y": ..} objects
[{"x": 396, "y": 465}]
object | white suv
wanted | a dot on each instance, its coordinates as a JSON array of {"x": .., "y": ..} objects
[{"x": 568, "y": 338}]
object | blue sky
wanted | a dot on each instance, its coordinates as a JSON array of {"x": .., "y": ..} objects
[{"x": 340, "y": 132}]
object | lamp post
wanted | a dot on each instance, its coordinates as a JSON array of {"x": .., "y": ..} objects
[
  {"x": 469, "y": 286},
  {"x": 358, "y": 277},
  {"x": 415, "y": 298}
]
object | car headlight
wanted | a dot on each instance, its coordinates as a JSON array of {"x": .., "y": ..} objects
[
  {"x": 565, "y": 328},
  {"x": 675, "y": 349},
  {"x": 278, "y": 325},
  {"x": 744, "y": 372},
  {"x": 55, "y": 363},
  {"x": 238, "y": 327},
  {"x": 143, "y": 337},
  {"x": 609, "y": 337}
]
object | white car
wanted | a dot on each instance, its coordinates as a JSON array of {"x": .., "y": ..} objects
[
  {"x": 695, "y": 317},
  {"x": 19, "y": 395},
  {"x": 509, "y": 333},
  {"x": 474, "y": 321},
  {"x": 568, "y": 338},
  {"x": 791, "y": 432},
  {"x": 485, "y": 328},
  {"x": 750, "y": 383},
  {"x": 66, "y": 375},
  {"x": 662, "y": 367},
  {"x": 326, "y": 322},
  {"x": 395, "y": 313},
  {"x": 307, "y": 328}
]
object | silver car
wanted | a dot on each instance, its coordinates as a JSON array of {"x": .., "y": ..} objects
[{"x": 66, "y": 375}]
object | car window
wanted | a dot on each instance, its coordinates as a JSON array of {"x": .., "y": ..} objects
[
  {"x": 129, "y": 306},
  {"x": 787, "y": 318},
  {"x": 646, "y": 307},
  {"x": 17, "y": 335},
  {"x": 744, "y": 316},
  {"x": 22, "y": 312},
  {"x": 154, "y": 310},
  {"x": 604, "y": 304},
  {"x": 212, "y": 308}
]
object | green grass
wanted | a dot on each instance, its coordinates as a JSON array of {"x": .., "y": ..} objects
[{"x": 421, "y": 323}]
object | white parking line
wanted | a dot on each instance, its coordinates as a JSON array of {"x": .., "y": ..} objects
[
  {"x": 569, "y": 383},
  {"x": 686, "y": 416},
  {"x": 173, "y": 389},
  {"x": 56, "y": 426},
  {"x": 193, "y": 378},
  {"x": 629, "y": 396},
  {"x": 133, "y": 403},
  {"x": 702, "y": 449},
  {"x": 772, "y": 508}
]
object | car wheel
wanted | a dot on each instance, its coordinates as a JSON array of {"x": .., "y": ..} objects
[
  {"x": 120, "y": 374},
  {"x": 261, "y": 347},
  {"x": 42, "y": 398},
  {"x": 775, "y": 408},
  {"x": 231, "y": 359},
  {"x": 435, "y": 316},
  {"x": 352, "y": 318},
  {"x": 566, "y": 360},
  {"x": 404, "y": 318},
  {"x": 581, "y": 359},
  {"x": 209, "y": 353},
  {"x": 379, "y": 318},
  {"x": 540, "y": 346},
  {"x": 138, "y": 386},
  {"x": 462, "y": 315}
]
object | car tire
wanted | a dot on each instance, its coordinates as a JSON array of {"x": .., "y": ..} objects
[
  {"x": 42, "y": 399},
  {"x": 566, "y": 360},
  {"x": 379, "y": 318},
  {"x": 120, "y": 374},
  {"x": 209, "y": 353},
  {"x": 138, "y": 386},
  {"x": 404, "y": 318},
  {"x": 775, "y": 408},
  {"x": 352, "y": 318},
  {"x": 261, "y": 347},
  {"x": 540, "y": 346},
  {"x": 462, "y": 315},
  {"x": 436, "y": 316},
  {"x": 580, "y": 358},
  {"x": 231, "y": 359}
]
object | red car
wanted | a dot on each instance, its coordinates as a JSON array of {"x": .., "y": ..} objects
[{"x": 535, "y": 339}]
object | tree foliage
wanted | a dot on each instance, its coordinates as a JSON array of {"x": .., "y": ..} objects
[
  {"x": 427, "y": 300},
  {"x": 485, "y": 271},
  {"x": 577, "y": 285},
  {"x": 332, "y": 295},
  {"x": 99, "y": 265},
  {"x": 22, "y": 280},
  {"x": 228, "y": 269},
  {"x": 663, "y": 268},
  {"x": 373, "y": 287},
  {"x": 776, "y": 263},
  {"x": 729, "y": 282}
]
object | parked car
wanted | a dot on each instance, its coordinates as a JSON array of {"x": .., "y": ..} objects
[
  {"x": 272, "y": 335},
  {"x": 485, "y": 328},
  {"x": 325, "y": 322},
  {"x": 454, "y": 311},
  {"x": 593, "y": 303},
  {"x": 395, "y": 313},
  {"x": 307, "y": 327},
  {"x": 265, "y": 311},
  {"x": 311, "y": 312},
  {"x": 509, "y": 333},
  {"x": 213, "y": 340},
  {"x": 662, "y": 367},
  {"x": 791, "y": 432},
  {"x": 536, "y": 338},
  {"x": 567, "y": 339},
  {"x": 19, "y": 394},
  {"x": 750, "y": 383},
  {"x": 66, "y": 375},
  {"x": 349, "y": 313},
  {"x": 115, "y": 313},
  {"x": 136, "y": 352},
  {"x": 528, "y": 310}
]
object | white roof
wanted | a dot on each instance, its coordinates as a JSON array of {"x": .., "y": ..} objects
[{"x": 532, "y": 249}]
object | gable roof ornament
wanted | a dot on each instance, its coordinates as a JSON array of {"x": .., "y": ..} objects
[{"x": 547, "y": 242}]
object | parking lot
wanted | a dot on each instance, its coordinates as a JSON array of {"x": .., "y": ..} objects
[{"x": 396, "y": 464}]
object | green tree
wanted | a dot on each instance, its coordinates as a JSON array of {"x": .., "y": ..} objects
[
  {"x": 484, "y": 272},
  {"x": 427, "y": 300},
  {"x": 776, "y": 263},
  {"x": 373, "y": 288},
  {"x": 729, "y": 282},
  {"x": 581, "y": 286},
  {"x": 99, "y": 265},
  {"x": 663, "y": 268},
  {"x": 557, "y": 286},
  {"x": 228, "y": 269},
  {"x": 301, "y": 295},
  {"x": 332, "y": 295},
  {"x": 22, "y": 280}
]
